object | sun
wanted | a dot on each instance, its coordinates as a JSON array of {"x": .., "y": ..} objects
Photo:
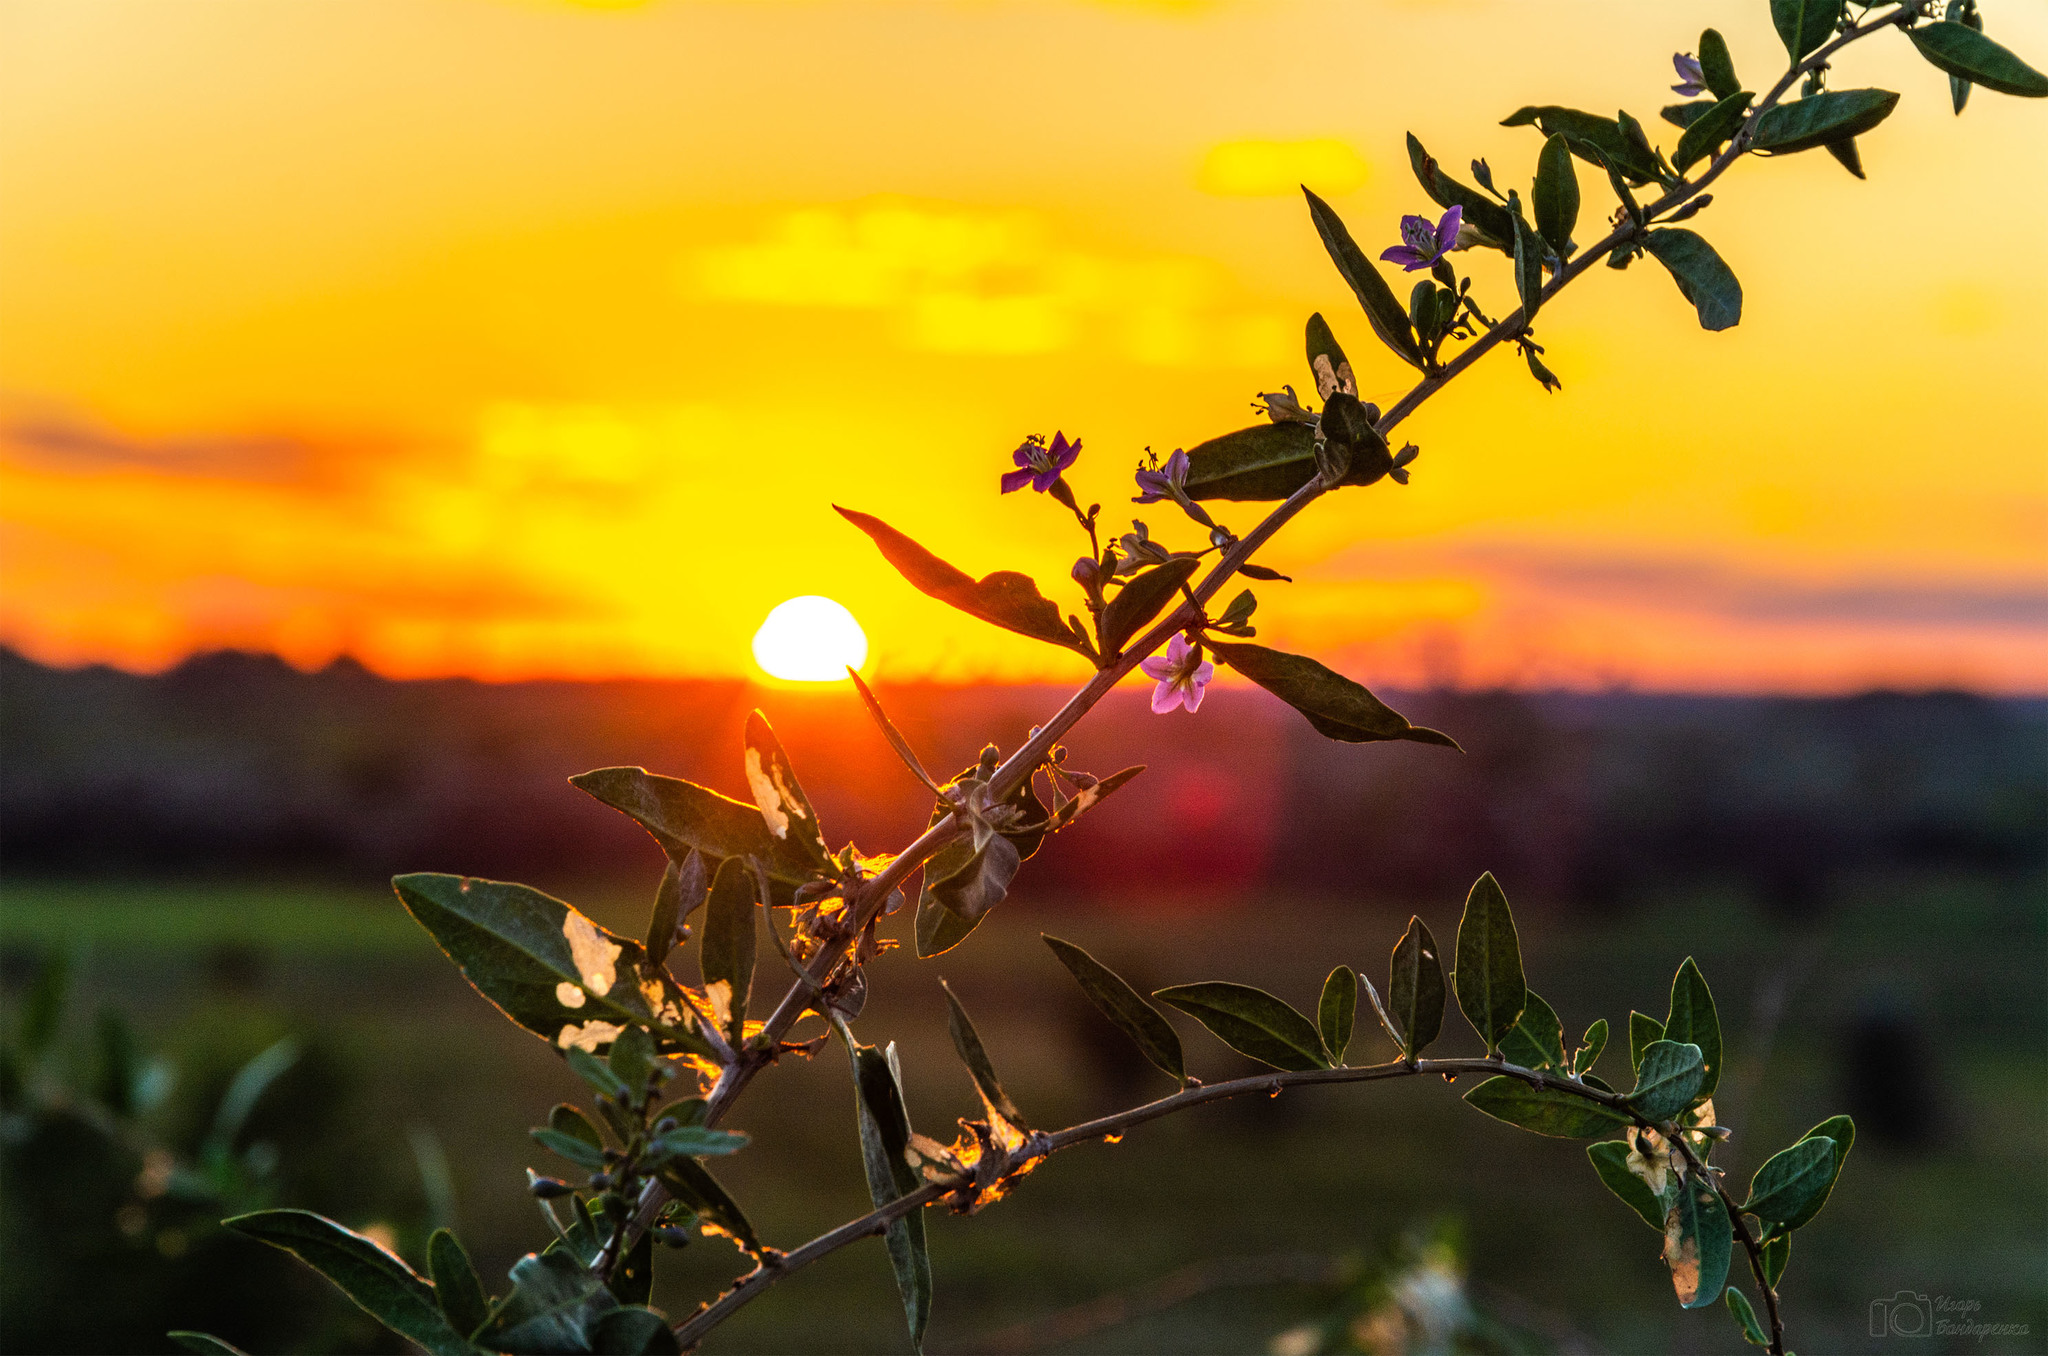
[{"x": 810, "y": 640}]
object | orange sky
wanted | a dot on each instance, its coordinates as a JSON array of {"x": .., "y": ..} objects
[{"x": 516, "y": 337}]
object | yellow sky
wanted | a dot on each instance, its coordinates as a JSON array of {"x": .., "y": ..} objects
[{"x": 516, "y": 337}]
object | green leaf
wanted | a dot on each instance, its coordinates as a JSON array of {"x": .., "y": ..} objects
[
  {"x": 1841, "y": 1131},
  {"x": 1005, "y": 598},
  {"x": 372, "y": 1276},
  {"x": 1480, "y": 212},
  {"x": 1702, "y": 277},
  {"x": 682, "y": 890},
  {"x": 1326, "y": 361},
  {"x": 967, "y": 883},
  {"x": 967, "y": 1044},
  {"x": 1610, "y": 1161},
  {"x": 1683, "y": 116},
  {"x": 1967, "y": 54},
  {"x": 1263, "y": 462},
  {"x": 1537, "y": 1041},
  {"x": 1820, "y": 118},
  {"x": 631, "y": 1283},
  {"x": 598, "y": 1074},
  {"x": 684, "y": 817},
  {"x": 1141, "y": 599},
  {"x": 730, "y": 937},
  {"x": 1962, "y": 12},
  {"x": 784, "y": 806},
  {"x": 1668, "y": 1081},
  {"x": 692, "y": 1183},
  {"x": 1337, "y": 707},
  {"x": 1642, "y": 1030},
  {"x": 1124, "y": 1006},
  {"x": 1846, "y": 154},
  {"x": 1793, "y": 1182},
  {"x": 884, "y": 1135},
  {"x": 1528, "y": 260},
  {"x": 569, "y": 1147},
  {"x": 1415, "y": 988},
  {"x": 1693, "y": 1018},
  {"x": 1752, "y": 1331},
  {"x": 634, "y": 1330},
  {"x": 939, "y": 929},
  {"x": 1590, "y": 1046},
  {"x": 203, "y": 1342},
  {"x": 693, "y": 1141},
  {"x": 1337, "y": 1012},
  {"x": 1488, "y": 978},
  {"x": 1555, "y": 198},
  {"x": 545, "y": 965},
  {"x": 1777, "y": 1252},
  {"x": 1348, "y": 429},
  {"x": 632, "y": 1059},
  {"x": 1699, "y": 1240},
  {"x": 456, "y": 1286},
  {"x": 1545, "y": 1111},
  {"x": 1251, "y": 1022},
  {"x": 1594, "y": 139},
  {"x": 1803, "y": 25},
  {"x": 1717, "y": 65},
  {"x": 1384, "y": 312},
  {"x": 556, "y": 1302},
  {"x": 1711, "y": 131}
]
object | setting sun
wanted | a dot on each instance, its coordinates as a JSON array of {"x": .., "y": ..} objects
[{"x": 810, "y": 640}]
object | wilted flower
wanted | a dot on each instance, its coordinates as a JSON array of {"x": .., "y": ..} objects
[
  {"x": 1162, "y": 483},
  {"x": 1039, "y": 466},
  {"x": 1694, "y": 80},
  {"x": 1423, "y": 244},
  {"x": 1283, "y": 407},
  {"x": 1182, "y": 676}
]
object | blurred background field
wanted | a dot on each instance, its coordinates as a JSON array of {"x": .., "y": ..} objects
[{"x": 1861, "y": 879}]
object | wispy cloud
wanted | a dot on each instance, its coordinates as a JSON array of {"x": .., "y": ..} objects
[{"x": 74, "y": 446}]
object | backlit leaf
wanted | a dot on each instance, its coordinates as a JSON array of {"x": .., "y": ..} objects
[
  {"x": 1820, "y": 118},
  {"x": 1123, "y": 1005},
  {"x": 1251, "y": 1022},
  {"x": 1610, "y": 1161},
  {"x": 1263, "y": 462},
  {"x": 691, "y": 1183},
  {"x": 1967, "y": 54},
  {"x": 1544, "y": 1111},
  {"x": 1803, "y": 25},
  {"x": 1415, "y": 988},
  {"x": 1693, "y": 1018},
  {"x": 556, "y": 1302},
  {"x": 939, "y": 929},
  {"x": 1388, "y": 320},
  {"x": 730, "y": 938},
  {"x": 1777, "y": 1252},
  {"x": 1337, "y": 707},
  {"x": 1791, "y": 1184},
  {"x": 1488, "y": 977},
  {"x": 1846, "y": 154},
  {"x": 1711, "y": 131},
  {"x": 1698, "y": 1243},
  {"x": 1537, "y": 1041},
  {"x": 634, "y": 1330},
  {"x": 1337, "y": 1011},
  {"x": 1752, "y": 1331},
  {"x": 1702, "y": 278},
  {"x": 884, "y": 1134},
  {"x": 1841, "y": 1131},
  {"x": 1590, "y": 1046},
  {"x": 1478, "y": 211},
  {"x": 365, "y": 1271},
  {"x": 569, "y": 1147},
  {"x": 1642, "y": 1030},
  {"x": 1594, "y": 139},
  {"x": 1717, "y": 65},
  {"x": 1668, "y": 1081},
  {"x": 967, "y": 883},
  {"x": 456, "y": 1286},
  {"x": 784, "y": 806},
  {"x": 1141, "y": 599},
  {"x": 1555, "y": 198},
  {"x": 1326, "y": 361},
  {"x": 683, "y": 816},
  {"x": 681, "y": 893},
  {"x": 205, "y": 1343},
  {"x": 967, "y": 1044}
]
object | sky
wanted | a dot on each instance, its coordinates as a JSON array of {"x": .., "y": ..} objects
[{"x": 524, "y": 338}]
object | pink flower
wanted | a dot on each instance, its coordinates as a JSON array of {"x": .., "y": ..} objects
[{"x": 1182, "y": 676}]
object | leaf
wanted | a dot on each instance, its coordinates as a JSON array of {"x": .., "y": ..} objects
[
  {"x": 1590, "y": 1046},
  {"x": 631, "y": 1283},
  {"x": 1528, "y": 261},
  {"x": 1124, "y": 1006},
  {"x": 555, "y": 1303},
  {"x": 1752, "y": 1331},
  {"x": 1488, "y": 978},
  {"x": 1777, "y": 1252},
  {"x": 1683, "y": 116},
  {"x": 1693, "y": 1018},
  {"x": 1642, "y": 1030},
  {"x": 1594, "y": 139},
  {"x": 461, "y": 1295},
  {"x": 1347, "y": 424},
  {"x": 599, "y": 1076},
  {"x": 1005, "y": 598},
  {"x": 1141, "y": 599},
  {"x": 1545, "y": 1111},
  {"x": 684, "y": 817},
  {"x": 730, "y": 938},
  {"x": 371, "y": 1275},
  {"x": 967, "y": 883},
  {"x": 1337, "y": 707},
  {"x": 1555, "y": 198},
  {"x": 1480, "y": 212},
  {"x": 939, "y": 929},
  {"x": 1537, "y": 1041},
  {"x": 1702, "y": 277},
  {"x": 1415, "y": 988},
  {"x": 1263, "y": 462},
  {"x": 693, "y": 1141},
  {"x": 1610, "y": 1161},
  {"x": 1717, "y": 65},
  {"x": 1698, "y": 1243},
  {"x": 1803, "y": 25},
  {"x": 682, "y": 890},
  {"x": 1712, "y": 130},
  {"x": 1967, "y": 54},
  {"x": 632, "y": 1059},
  {"x": 1962, "y": 12},
  {"x": 1326, "y": 360},
  {"x": 1384, "y": 312},
  {"x": 784, "y": 806},
  {"x": 1820, "y": 118},
  {"x": 884, "y": 1135},
  {"x": 203, "y": 1342},
  {"x": 545, "y": 965},
  {"x": 1668, "y": 1081},
  {"x": 634, "y": 1330},
  {"x": 1791, "y": 1184},
  {"x": 1841, "y": 1131},
  {"x": 1846, "y": 155},
  {"x": 569, "y": 1147},
  {"x": 967, "y": 1044},
  {"x": 1251, "y": 1022},
  {"x": 1337, "y": 1012},
  {"x": 692, "y": 1183}
]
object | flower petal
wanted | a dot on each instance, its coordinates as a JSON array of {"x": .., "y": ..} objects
[
  {"x": 1016, "y": 480},
  {"x": 1157, "y": 669},
  {"x": 1401, "y": 254},
  {"x": 1447, "y": 229},
  {"x": 1164, "y": 698}
]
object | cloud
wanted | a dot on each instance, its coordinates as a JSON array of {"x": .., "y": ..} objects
[
  {"x": 70, "y": 446},
  {"x": 1252, "y": 168}
]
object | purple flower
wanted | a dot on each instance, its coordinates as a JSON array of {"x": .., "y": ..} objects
[
  {"x": 1182, "y": 676},
  {"x": 1039, "y": 466},
  {"x": 1161, "y": 484},
  {"x": 1423, "y": 244},
  {"x": 1688, "y": 67}
]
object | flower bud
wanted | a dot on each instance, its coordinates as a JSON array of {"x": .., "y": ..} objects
[
  {"x": 1087, "y": 572},
  {"x": 547, "y": 1188}
]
